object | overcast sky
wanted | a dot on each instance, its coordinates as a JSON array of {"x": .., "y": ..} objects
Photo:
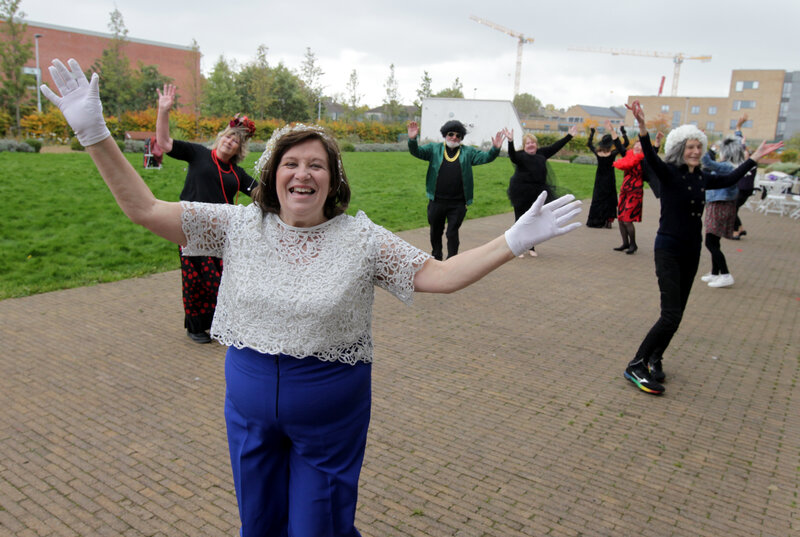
[{"x": 440, "y": 38}]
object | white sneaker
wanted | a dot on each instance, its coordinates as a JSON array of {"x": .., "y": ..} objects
[
  {"x": 707, "y": 277},
  {"x": 723, "y": 280}
]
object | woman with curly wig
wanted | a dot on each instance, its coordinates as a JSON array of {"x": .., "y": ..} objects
[
  {"x": 683, "y": 184},
  {"x": 213, "y": 177},
  {"x": 603, "y": 209}
]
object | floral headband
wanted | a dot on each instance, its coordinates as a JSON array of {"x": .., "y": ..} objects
[
  {"x": 263, "y": 160},
  {"x": 243, "y": 123}
]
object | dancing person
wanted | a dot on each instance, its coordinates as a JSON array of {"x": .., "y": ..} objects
[
  {"x": 631, "y": 194},
  {"x": 677, "y": 246},
  {"x": 213, "y": 177},
  {"x": 720, "y": 213},
  {"x": 746, "y": 185},
  {"x": 295, "y": 308},
  {"x": 449, "y": 182},
  {"x": 531, "y": 176},
  {"x": 603, "y": 208}
]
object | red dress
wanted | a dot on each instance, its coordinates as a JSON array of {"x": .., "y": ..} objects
[{"x": 629, "y": 208}]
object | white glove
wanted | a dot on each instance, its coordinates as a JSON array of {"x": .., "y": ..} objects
[
  {"x": 542, "y": 222},
  {"x": 79, "y": 101}
]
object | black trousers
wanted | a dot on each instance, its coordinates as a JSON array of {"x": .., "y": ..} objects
[
  {"x": 718, "y": 263},
  {"x": 452, "y": 213},
  {"x": 675, "y": 272}
]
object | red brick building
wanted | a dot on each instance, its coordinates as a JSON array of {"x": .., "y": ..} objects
[{"x": 180, "y": 63}]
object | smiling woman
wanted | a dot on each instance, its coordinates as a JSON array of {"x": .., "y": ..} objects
[{"x": 295, "y": 308}]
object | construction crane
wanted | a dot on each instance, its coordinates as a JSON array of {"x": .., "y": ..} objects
[
  {"x": 677, "y": 58},
  {"x": 521, "y": 40}
]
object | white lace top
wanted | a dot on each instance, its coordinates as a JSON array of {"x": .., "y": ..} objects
[{"x": 299, "y": 291}]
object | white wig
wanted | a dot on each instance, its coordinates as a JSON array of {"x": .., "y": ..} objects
[{"x": 682, "y": 134}]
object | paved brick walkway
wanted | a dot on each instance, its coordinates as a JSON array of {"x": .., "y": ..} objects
[{"x": 498, "y": 411}]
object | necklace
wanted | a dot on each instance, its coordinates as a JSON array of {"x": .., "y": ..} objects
[
  {"x": 221, "y": 183},
  {"x": 455, "y": 157}
]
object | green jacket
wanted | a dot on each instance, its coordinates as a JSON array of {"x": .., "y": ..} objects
[{"x": 434, "y": 154}]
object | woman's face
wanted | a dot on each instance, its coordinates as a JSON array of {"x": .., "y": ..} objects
[
  {"x": 227, "y": 147},
  {"x": 303, "y": 182},
  {"x": 531, "y": 145},
  {"x": 692, "y": 153},
  {"x": 637, "y": 148}
]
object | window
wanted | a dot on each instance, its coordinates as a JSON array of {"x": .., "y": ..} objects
[
  {"x": 695, "y": 110},
  {"x": 676, "y": 118},
  {"x": 665, "y": 108},
  {"x": 742, "y": 85},
  {"x": 739, "y": 105},
  {"x": 746, "y": 125},
  {"x": 783, "y": 109},
  {"x": 712, "y": 110},
  {"x": 693, "y": 123},
  {"x": 710, "y": 125},
  {"x": 787, "y": 89}
]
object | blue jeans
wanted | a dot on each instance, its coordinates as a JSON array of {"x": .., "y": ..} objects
[{"x": 297, "y": 430}]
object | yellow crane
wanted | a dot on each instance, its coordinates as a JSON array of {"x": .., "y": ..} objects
[
  {"x": 677, "y": 58},
  {"x": 521, "y": 40}
]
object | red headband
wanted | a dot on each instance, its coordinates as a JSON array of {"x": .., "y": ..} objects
[{"x": 245, "y": 123}]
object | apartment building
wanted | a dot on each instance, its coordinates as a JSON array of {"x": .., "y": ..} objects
[{"x": 769, "y": 97}]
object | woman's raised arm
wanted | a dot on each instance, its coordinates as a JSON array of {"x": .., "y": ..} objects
[{"x": 79, "y": 101}]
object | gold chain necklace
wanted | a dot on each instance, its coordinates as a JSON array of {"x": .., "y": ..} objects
[{"x": 455, "y": 157}]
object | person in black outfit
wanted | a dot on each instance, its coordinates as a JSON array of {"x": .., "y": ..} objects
[
  {"x": 449, "y": 181},
  {"x": 213, "y": 177},
  {"x": 603, "y": 209},
  {"x": 530, "y": 171},
  {"x": 679, "y": 237}
]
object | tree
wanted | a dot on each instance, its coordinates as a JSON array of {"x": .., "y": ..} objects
[
  {"x": 254, "y": 85},
  {"x": 146, "y": 81},
  {"x": 13, "y": 56},
  {"x": 117, "y": 88},
  {"x": 220, "y": 96},
  {"x": 454, "y": 91},
  {"x": 352, "y": 97},
  {"x": 424, "y": 91},
  {"x": 392, "y": 99},
  {"x": 290, "y": 101},
  {"x": 310, "y": 75},
  {"x": 526, "y": 104}
]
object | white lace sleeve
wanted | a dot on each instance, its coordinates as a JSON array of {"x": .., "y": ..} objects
[
  {"x": 397, "y": 263},
  {"x": 205, "y": 226}
]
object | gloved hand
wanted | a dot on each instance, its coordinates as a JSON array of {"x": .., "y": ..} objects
[
  {"x": 79, "y": 101},
  {"x": 542, "y": 222}
]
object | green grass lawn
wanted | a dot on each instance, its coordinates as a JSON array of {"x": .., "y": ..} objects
[{"x": 61, "y": 228}]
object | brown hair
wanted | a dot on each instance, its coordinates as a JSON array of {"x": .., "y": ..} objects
[{"x": 265, "y": 195}]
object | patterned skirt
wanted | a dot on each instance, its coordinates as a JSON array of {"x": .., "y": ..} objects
[
  {"x": 629, "y": 208},
  {"x": 720, "y": 217},
  {"x": 200, "y": 277}
]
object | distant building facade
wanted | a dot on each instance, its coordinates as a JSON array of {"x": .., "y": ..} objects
[
  {"x": 581, "y": 115},
  {"x": 769, "y": 97},
  {"x": 180, "y": 63}
]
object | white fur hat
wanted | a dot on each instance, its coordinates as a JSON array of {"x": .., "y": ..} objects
[{"x": 682, "y": 133}]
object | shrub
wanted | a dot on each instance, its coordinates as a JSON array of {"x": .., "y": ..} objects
[
  {"x": 35, "y": 144},
  {"x": 75, "y": 145},
  {"x": 792, "y": 168},
  {"x": 347, "y": 147},
  {"x": 121, "y": 145},
  {"x": 789, "y": 155},
  {"x": 13, "y": 146},
  {"x": 585, "y": 159},
  {"x": 133, "y": 146}
]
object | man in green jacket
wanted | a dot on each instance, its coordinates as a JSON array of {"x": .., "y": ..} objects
[{"x": 449, "y": 182}]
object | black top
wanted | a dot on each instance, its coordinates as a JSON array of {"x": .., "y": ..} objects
[
  {"x": 449, "y": 184},
  {"x": 530, "y": 172},
  {"x": 204, "y": 180},
  {"x": 604, "y": 194},
  {"x": 683, "y": 197}
]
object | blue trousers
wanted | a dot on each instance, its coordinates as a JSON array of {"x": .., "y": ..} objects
[{"x": 297, "y": 430}]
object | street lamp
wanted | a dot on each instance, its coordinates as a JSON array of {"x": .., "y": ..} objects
[{"x": 38, "y": 75}]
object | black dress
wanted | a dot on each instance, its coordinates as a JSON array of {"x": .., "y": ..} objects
[
  {"x": 604, "y": 196},
  {"x": 530, "y": 175}
]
